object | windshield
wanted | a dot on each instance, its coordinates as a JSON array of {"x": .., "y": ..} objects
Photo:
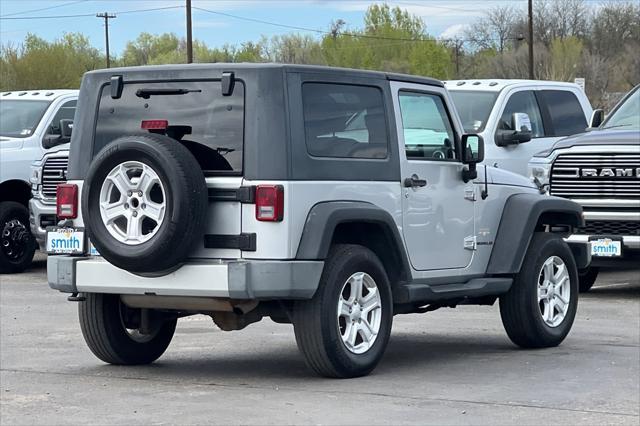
[
  {"x": 474, "y": 108},
  {"x": 626, "y": 115},
  {"x": 19, "y": 118}
]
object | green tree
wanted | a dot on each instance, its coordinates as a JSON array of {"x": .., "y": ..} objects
[
  {"x": 152, "y": 49},
  {"x": 565, "y": 56},
  {"x": 391, "y": 40},
  {"x": 42, "y": 64}
]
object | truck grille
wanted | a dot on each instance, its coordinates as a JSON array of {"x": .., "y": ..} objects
[
  {"x": 612, "y": 227},
  {"x": 596, "y": 176},
  {"x": 54, "y": 172}
]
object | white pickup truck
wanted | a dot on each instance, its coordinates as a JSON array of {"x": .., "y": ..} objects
[
  {"x": 33, "y": 124},
  {"x": 498, "y": 109}
]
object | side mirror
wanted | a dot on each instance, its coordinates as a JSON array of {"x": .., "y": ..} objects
[
  {"x": 597, "y": 117},
  {"x": 472, "y": 154},
  {"x": 472, "y": 149},
  {"x": 521, "y": 133},
  {"x": 66, "y": 127},
  {"x": 49, "y": 141}
]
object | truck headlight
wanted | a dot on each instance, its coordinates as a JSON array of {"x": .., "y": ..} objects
[
  {"x": 35, "y": 175},
  {"x": 539, "y": 174}
]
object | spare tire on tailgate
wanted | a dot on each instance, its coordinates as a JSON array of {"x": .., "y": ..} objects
[{"x": 144, "y": 203}]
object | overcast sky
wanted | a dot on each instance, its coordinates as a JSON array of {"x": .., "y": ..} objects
[{"x": 444, "y": 18}]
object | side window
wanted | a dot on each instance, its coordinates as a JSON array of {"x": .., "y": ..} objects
[
  {"x": 66, "y": 112},
  {"x": 523, "y": 102},
  {"x": 565, "y": 111},
  {"x": 428, "y": 133},
  {"x": 344, "y": 121}
]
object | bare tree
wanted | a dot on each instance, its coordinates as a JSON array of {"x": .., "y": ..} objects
[
  {"x": 560, "y": 19},
  {"x": 596, "y": 70},
  {"x": 497, "y": 30},
  {"x": 615, "y": 24}
]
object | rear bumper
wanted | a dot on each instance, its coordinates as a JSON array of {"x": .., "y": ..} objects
[{"x": 221, "y": 279}]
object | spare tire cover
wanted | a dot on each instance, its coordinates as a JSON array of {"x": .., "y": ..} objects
[{"x": 144, "y": 203}]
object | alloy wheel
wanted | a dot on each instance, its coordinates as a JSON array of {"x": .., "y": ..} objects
[
  {"x": 554, "y": 291},
  {"x": 132, "y": 202},
  {"x": 359, "y": 313}
]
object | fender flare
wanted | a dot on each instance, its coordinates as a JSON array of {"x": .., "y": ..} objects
[
  {"x": 520, "y": 218},
  {"x": 324, "y": 217}
]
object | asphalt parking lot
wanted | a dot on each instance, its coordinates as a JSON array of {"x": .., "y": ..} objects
[{"x": 452, "y": 366}]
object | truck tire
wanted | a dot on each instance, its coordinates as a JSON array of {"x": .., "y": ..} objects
[
  {"x": 17, "y": 245},
  {"x": 144, "y": 203},
  {"x": 539, "y": 309},
  {"x": 588, "y": 279},
  {"x": 103, "y": 328},
  {"x": 344, "y": 329}
]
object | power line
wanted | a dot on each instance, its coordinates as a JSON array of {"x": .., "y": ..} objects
[
  {"x": 44, "y": 8},
  {"x": 318, "y": 31},
  {"x": 315, "y": 30},
  {"x": 84, "y": 15}
]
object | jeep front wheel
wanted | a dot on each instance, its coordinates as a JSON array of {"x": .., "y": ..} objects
[
  {"x": 114, "y": 334},
  {"x": 344, "y": 330},
  {"x": 539, "y": 309}
]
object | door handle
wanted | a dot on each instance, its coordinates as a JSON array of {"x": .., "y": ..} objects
[{"x": 414, "y": 181}]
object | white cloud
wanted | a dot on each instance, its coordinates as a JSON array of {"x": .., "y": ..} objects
[{"x": 453, "y": 31}]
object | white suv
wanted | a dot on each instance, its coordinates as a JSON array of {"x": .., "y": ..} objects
[
  {"x": 498, "y": 110},
  {"x": 32, "y": 123}
]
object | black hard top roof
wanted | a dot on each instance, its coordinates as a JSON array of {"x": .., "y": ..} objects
[{"x": 220, "y": 66}]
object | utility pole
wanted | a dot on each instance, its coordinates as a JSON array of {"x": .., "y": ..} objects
[
  {"x": 189, "y": 36},
  {"x": 531, "y": 76},
  {"x": 106, "y": 16}
]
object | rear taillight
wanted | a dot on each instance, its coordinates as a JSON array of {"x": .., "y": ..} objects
[
  {"x": 67, "y": 201},
  {"x": 269, "y": 203},
  {"x": 154, "y": 124}
]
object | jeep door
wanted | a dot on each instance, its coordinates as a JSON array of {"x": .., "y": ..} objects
[{"x": 438, "y": 221}]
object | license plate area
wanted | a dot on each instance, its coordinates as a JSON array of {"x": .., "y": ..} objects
[
  {"x": 606, "y": 246},
  {"x": 61, "y": 240}
]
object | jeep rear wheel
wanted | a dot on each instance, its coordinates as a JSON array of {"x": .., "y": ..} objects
[
  {"x": 144, "y": 203},
  {"x": 344, "y": 330},
  {"x": 113, "y": 331},
  {"x": 17, "y": 245},
  {"x": 539, "y": 309}
]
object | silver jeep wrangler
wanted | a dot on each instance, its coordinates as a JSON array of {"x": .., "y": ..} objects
[{"x": 328, "y": 198}]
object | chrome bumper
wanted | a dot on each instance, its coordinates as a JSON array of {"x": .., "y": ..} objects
[
  {"x": 41, "y": 213},
  {"x": 628, "y": 241}
]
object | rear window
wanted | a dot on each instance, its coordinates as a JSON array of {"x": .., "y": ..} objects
[
  {"x": 345, "y": 121},
  {"x": 209, "y": 124},
  {"x": 565, "y": 111}
]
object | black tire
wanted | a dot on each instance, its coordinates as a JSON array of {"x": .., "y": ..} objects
[
  {"x": 519, "y": 308},
  {"x": 17, "y": 245},
  {"x": 588, "y": 279},
  {"x": 104, "y": 331},
  {"x": 186, "y": 203},
  {"x": 316, "y": 324}
]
